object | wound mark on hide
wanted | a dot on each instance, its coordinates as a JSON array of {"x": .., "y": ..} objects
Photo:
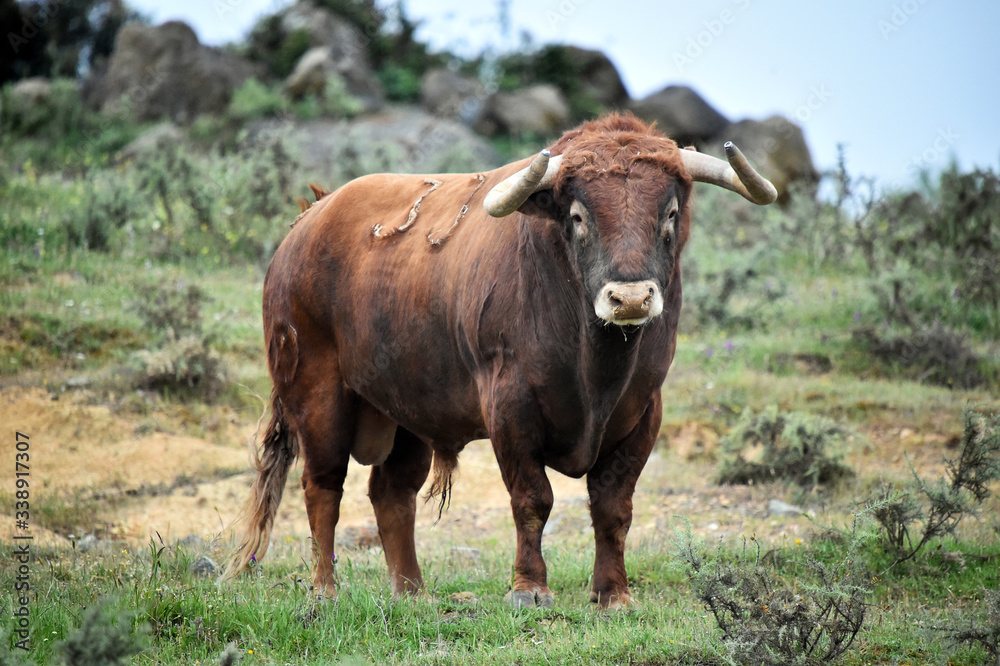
[
  {"x": 437, "y": 242},
  {"x": 378, "y": 231}
]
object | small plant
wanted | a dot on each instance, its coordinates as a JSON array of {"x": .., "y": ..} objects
[
  {"x": 765, "y": 620},
  {"x": 254, "y": 100},
  {"x": 939, "y": 507},
  {"x": 794, "y": 446},
  {"x": 176, "y": 309},
  {"x": 986, "y": 634},
  {"x": 184, "y": 362},
  {"x": 102, "y": 639}
]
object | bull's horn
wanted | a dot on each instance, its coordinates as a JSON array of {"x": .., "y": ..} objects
[
  {"x": 508, "y": 195},
  {"x": 737, "y": 176}
]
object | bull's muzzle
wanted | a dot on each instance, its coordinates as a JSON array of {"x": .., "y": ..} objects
[{"x": 629, "y": 303}]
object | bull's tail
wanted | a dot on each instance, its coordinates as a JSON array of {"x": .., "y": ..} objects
[
  {"x": 445, "y": 462},
  {"x": 278, "y": 450}
]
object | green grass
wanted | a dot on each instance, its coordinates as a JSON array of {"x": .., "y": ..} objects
[{"x": 192, "y": 619}]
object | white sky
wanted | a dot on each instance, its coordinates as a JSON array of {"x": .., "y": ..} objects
[{"x": 901, "y": 82}]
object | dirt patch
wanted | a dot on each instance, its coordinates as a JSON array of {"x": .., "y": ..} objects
[{"x": 177, "y": 486}]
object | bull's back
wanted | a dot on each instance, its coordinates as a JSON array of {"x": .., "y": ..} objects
[{"x": 372, "y": 275}]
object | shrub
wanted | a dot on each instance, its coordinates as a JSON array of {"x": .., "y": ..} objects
[
  {"x": 937, "y": 508},
  {"x": 254, "y": 100},
  {"x": 185, "y": 366},
  {"x": 946, "y": 242},
  {"x": 184, "y": 362},
  {"x": 985, "y": 632},
  {"x": 795, "y": 446},
  {"x": 102, "y": 638},
  {"x": 734, "y": 297},
  {"x": 936, "y": 355},
  {"x": 769, "y": 622}
]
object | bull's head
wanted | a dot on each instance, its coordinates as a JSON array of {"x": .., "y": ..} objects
[{"x": 623, "y": 195}]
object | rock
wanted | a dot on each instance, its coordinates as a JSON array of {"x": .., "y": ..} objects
[
  {"x": 464, "y": 598},
  {"x": 203, "y": 567},
  {"x": 191, "y": 541},
  {"x": 775, "y": 507},
  {"x": 152, "y": 140},
  {"x": 334, "y": 46},
  {"x": 540, "y": 109},
  {"x": 601, "y": 80},
  {"x": 448, "y": 94},
  {"x": 776, "y": 148},
  {"x": 78, "y": 382},
  {"x": 401, "y": 140},
  {"x": 164, "y": 72},
  {"x": 318, "y": 65},
  {"x": 358, "y": 538},
  {"x": 34, "y": 90},
  {"x": 681, "y": 114}
]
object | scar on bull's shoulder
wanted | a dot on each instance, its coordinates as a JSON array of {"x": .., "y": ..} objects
[
  {"x": 378, "y": 231},
  {"x": 437, "y": 242}
]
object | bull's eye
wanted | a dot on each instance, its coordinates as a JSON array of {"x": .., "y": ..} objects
[{"x": 578, "y": 216}]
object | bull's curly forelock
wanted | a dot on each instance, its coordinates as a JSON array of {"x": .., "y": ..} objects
[{"x": 613, "y": 145}]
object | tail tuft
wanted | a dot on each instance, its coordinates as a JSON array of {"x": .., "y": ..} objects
[
  {"x": 278, "y": 450},
  {"x": 445, "y": 462}
]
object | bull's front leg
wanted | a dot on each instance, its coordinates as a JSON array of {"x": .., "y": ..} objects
[
  {"x": 531, "y": 501},
  {"x": 610, "y": 484}
]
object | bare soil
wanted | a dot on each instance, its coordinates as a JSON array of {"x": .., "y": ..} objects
[{"x": 157, "y": 483}]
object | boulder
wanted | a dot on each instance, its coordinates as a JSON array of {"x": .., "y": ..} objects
[
  {"x": 601, "y": 79},
  {"x": 164, "y": 72},
  {"x": 777, "y": 148},
  {"x": 539, "y": 109},
  {"x": 682, "y": 114},
  {"x": 398, "y": 139},
  {"x": 316, "y": 67},
  {"x": 448, "y": 94},
  {"x": 153, "y": 140},
  {"x": 335, "y": 46},
  {"x": 35, "y": 91}
]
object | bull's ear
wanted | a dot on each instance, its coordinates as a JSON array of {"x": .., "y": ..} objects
[{"x": 541, "y": 204}]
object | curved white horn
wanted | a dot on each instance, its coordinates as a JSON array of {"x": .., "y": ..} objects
[
  {"x": 509, "y": 194},
  {"x": 737, "y": 176}
]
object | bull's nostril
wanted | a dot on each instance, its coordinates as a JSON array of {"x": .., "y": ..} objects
[{"x": 616, "y": 299}]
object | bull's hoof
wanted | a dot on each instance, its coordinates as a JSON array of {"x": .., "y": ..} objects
[
  {"x": 519, "y": 599},
  {"x": 612, "y": 601}
]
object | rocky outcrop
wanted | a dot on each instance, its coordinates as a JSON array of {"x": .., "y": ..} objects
[
  {"x": 682, "y": 114},
  {"x": 164, "y": 72}
]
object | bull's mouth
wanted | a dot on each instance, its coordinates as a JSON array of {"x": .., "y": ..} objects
[{"x": 629, "y": 303}]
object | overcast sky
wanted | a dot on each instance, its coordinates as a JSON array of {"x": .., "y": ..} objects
[{"x": 904, "y": 83}]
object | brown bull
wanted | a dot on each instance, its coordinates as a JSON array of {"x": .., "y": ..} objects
[{"x": 402, "y": 321}]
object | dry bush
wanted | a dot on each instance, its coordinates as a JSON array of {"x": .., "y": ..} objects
[{"x": 794, "y": 446}]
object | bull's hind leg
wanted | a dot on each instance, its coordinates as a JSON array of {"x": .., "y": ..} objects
[
  {"x": 393, "y": 488},
  {"x": 325, "y": 426},
  {"x": 610, "y": 484}
]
